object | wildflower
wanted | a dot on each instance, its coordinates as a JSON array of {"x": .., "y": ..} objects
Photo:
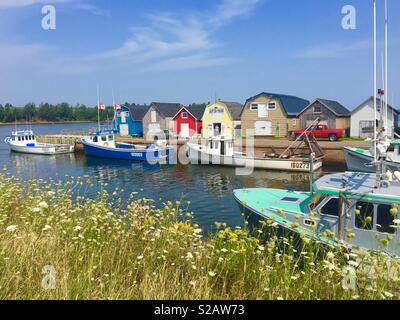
[
  {"x": 224, "y": 250},
  {"x": 51, "y": 193},
  {"x": 194, "y": 267},
  {"x": 197, "y": 231},
  {"x": 261, "y": 248},
  {"x": 212, "y": 274},
  {"x": 221, "y": 259},
  {"x": 353, "y": 264},
  {"x": 189, "y": 256},
  {"x": 78, "y": 228},
  {"x": 192, "y": 283},
  {"x": 46, "y": 227},
  {"x": 279, "y": 298},
  {"x": 36, "y": 210},
  {"x": 388, "y": 295},
  {"x": 12, "y": 228},
  {"x": 266, "y": 289},
  {"x": 330, "y": 255},
  {"x": 109, "y": 214},
  {"x": 43, "y": 205},
  {"x": 140, "y": 257}
]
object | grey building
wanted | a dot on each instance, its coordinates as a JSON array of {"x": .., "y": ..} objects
[
  {"x": 159, "y": 118},
  {"x": 331, "y": 113}
]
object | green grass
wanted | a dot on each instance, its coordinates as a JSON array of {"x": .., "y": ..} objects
[{"x": 96, "y": 249}]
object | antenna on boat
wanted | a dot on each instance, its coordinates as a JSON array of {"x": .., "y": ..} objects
[{"x": 312, "y": 176}]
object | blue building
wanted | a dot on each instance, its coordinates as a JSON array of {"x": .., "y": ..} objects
[{"x": 129, "y": 120}]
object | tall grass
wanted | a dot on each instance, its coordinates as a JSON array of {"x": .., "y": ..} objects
[{"x": 56, "y": 246}]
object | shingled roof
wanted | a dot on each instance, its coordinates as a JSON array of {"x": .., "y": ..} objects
[
  {"x": 291, "y": 104},
  {"x": 167, "y": 109},
  {"x": 338, "y": 109},
  {"x": 137, "y": 111},
  {"x": 235, "y": 108},
  {"x": 197, "y": 111}
]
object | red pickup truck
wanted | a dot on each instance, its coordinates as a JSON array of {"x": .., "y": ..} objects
[{"x": 322, "y": 132}]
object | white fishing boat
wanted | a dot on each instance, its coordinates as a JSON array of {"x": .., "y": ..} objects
[
  {"x": 25, "y": 142},
  {"x": 220, "y": 151},
  {"x": 362, "y": 160}
]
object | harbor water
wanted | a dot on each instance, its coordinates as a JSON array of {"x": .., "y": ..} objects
[{"x": 209, "y": 189}]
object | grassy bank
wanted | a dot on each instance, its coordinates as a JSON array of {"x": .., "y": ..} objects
[{"x": 52, "y": 247}]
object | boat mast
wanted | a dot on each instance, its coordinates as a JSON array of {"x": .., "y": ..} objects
[
  {"x": 386, "y": 66},
  {"x": 114, "y": 118},
  {"x": 375, "y": 88},
  {"x": 98, "y": 109}
]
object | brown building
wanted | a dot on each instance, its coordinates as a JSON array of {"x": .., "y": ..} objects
[
  {"x": 270, "y": 114},
  {"x": 331, "y": 113}
]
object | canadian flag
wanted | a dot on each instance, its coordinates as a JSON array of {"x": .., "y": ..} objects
[
  {"x": 117, "y": 107},
  {"x": 102, "y": 107}
]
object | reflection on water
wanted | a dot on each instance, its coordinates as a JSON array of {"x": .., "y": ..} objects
[{"x": 208, "y": 188}]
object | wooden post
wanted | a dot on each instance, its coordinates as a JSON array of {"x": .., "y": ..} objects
[{"x": 341, "y": 206}]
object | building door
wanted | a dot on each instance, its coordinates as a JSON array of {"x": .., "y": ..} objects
[
  {"x": 185, "y": 132},
  {"x": 124, "y": 130},
  {"x": 263, "y": 128},
  {"x": 217, "y": 129}
]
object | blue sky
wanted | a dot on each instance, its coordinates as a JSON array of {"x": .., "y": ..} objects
[{"x": 191, "y": 51}]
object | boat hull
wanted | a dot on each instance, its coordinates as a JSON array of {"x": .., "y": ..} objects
[
  {"x": 151, "y": 155},
  {"x": 358, "y": 161},
  {"x": 197, "y": 156},
  {"x": 43, "y": 149}
]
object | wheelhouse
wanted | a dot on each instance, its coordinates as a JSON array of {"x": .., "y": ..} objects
[
  {"x": 23, "y": 138},
  {"x": 104, "y": 139}
]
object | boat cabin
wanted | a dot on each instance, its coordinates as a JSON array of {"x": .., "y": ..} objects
[
  {"x": 104, "y": 139},
  {"x": 394, "y": 151},
  {"x": 220, "y": 147},
  {"x": 23, "y": 138},
  {"x": 366, "y": 213}
]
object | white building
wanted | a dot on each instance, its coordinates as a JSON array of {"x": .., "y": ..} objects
[{"x": 362, "y": 119}]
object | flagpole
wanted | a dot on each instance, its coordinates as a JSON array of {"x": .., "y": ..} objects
[{"x": 98, "y": 108}]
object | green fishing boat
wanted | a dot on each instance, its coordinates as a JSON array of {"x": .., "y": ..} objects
[{"x": 351, "y": 209}]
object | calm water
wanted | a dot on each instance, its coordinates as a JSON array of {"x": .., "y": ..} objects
[{"x": 208, "y": 188}]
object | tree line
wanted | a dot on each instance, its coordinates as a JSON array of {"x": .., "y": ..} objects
[
  {"x": 47, "y": 112},
  {"x": 52, "y": 113}
]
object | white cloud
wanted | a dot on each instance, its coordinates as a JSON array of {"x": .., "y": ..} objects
[
  {"x": 334, "y": 50},
  {"x": 25, "y": 3},
  {"x": 171, "y": 41}
]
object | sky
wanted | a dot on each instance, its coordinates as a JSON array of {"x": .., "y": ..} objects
[{"x": 192, "y": 51}]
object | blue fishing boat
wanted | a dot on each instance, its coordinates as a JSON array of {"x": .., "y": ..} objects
[{"x": 102, "y": 144}]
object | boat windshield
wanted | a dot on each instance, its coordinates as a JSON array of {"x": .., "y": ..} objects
[{"x": 315, "y": 202}]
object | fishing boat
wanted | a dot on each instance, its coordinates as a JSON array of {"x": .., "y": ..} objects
[
  {"x": 220, "y": 151},
  {"x": 343, "y": 208},
  {"x": 103, "y": 144},
  {"x": 363, "y": 160},
  {"x": 25, "y": 142}
]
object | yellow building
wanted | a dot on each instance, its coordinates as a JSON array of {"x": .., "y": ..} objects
[{"x": 222, "y": 119}]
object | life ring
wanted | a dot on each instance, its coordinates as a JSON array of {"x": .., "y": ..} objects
[{"x": 106, "y": 144}]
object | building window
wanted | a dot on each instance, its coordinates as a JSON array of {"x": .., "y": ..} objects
[
  {"x": 184, "y": 115},
  {"x": 364, "y": 215},
  {"x": 384, "y": 221},
  {"x": 153, "y": 116},
  {"x": 254, "y": 106},
  {"x": 294, "y": 122},
  {"x": 317, "y": 110},
  {"x": 272, "y": 106}
]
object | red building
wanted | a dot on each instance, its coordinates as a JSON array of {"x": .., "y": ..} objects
[{"x": 188, "y": 121}]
